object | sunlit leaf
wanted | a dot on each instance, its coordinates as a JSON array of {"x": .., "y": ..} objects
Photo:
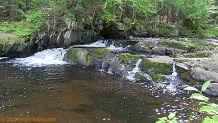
[
  {"x": 208, "y": 109},
  {"x": 199, "y": 97},
  {"x": 173, "y": 121},
  {"x": 205, "y": 85},
  {"x": 202, "y": 103},
  {"x": 215, "y": 119},
  {"x": 161, "y": 121},
  {"x": 206, "y": 120},
  {"x": 163, "y": 118},
  {"x": 172, "y": 115}
]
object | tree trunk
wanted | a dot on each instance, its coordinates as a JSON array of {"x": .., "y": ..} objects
[{"x": 28, "y": 4}]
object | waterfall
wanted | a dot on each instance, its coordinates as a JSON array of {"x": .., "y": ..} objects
[
  {"x": 131, "y": 74},
  {"x": 45, "y": 57},
  {"x": 104, "y": 44},
  {"x": 174, "y": 74},
  {"x": 173, "y": 79},
  {"x": 103, "y": 66}
]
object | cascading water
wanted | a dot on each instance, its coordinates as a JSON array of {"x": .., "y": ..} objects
[
  {"x": 46, "y": 57},
  {"x": 104, "y": 44},
  {"x": 3, "y": 58},
  {"x": 173, "y": 79},
  {"x": 131, "y": 74},
  {"x": 103, "y": 66}
]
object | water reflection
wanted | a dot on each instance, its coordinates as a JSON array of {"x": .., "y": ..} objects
[{"x": 74, "y": 94}]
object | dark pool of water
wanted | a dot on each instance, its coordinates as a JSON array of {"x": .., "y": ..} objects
[{"x": 73, "y": 94}]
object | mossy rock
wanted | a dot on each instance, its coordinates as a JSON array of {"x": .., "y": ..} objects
[
  {"x": 80, "y": 56},
  {"x": 185, "y": 75},
  {"x": 118, "y": 66},
  {"x": 127, "y": 57},
  {"x": 196, "y": 55},
  {"x": 159, "y": 77},
  {"x": 188, "y": 46},
  {"x": 71, "y": 54},
  {"x": 100, "y": 53},
  {"x": 156, "y": 67}
]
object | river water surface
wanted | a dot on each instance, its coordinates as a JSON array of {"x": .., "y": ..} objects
[{"x": 73, "y": 94}]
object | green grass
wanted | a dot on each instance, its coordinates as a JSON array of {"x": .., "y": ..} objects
[
  {"x": 211, "y": 32},
  {"x": 18, "y": 28},
  {"x": 9, "y": 38}
]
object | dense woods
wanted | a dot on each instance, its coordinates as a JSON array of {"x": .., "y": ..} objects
[{"x": 156, "y": 17}]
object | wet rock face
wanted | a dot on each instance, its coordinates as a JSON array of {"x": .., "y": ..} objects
[
  {"x": 44, "y": 41},
  {"x": 205, "y": 70},
  {"x": 20, "y": 50},
  {"x": 204, "y": 75},
  {"x": 212, "y": 89}
]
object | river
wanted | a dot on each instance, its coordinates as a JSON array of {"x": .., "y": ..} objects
[{"x": 74, "y": 94}]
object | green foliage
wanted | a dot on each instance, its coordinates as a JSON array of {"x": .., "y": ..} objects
[
  {"x": 211, "y": 32},
  {"x": 20, "y": 28},
  {"x": 211, "y": 109},
  {"x": 109, "y": 17},
  {"x": 36, "y": 18}
]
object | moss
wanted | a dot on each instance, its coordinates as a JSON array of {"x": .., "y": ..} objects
[
  {"x": 185, "y": 75},
  {"x": 118, "y": 66},
  {"x": 133, "y": 57},
  {"x": 125, "y": 57},
  {"x": 71, "y": 54},
  {"x": 196, "y": 55},
  {"x": 100, "y": 52},
  {"x": 184, "y": 45},
  {"x": 159, "y": 77},
  {"x": 90, "y": 59},
  {"x": 156, "y": 67}
]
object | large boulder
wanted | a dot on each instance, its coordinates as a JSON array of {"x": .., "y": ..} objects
[
  {"x": 79, "y": 56},
  {"x": 205, "y": 69},
  {"x": 86, "y": 56}
]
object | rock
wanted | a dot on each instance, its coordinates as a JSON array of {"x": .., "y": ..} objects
[
  {"x": 44, "y": 41},
  {"x": 89, "y": 36},
  {"x": 21, "y": 50},
  {"x": 159, "y": 50},
  {"x": 183, "y": 65},
  {"x": 79, "y": 56},
  {"x": 60, "y": 40},
  {"x": 143, "y": 76},
  {"x": 204, "y": 75},
  {"x": 82, "y": 56},
  {"x": 71, "y": 37},
  {"x": 212, "y": 89},
  {"x": 145, "y": 45},
  {"x": 209, "y": 65},
  {"x": 53, "y": 39},
  {"x": 153, "y": 66}
]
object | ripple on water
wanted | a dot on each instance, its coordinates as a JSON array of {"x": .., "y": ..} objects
[{"x": 72, "y": 93}]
